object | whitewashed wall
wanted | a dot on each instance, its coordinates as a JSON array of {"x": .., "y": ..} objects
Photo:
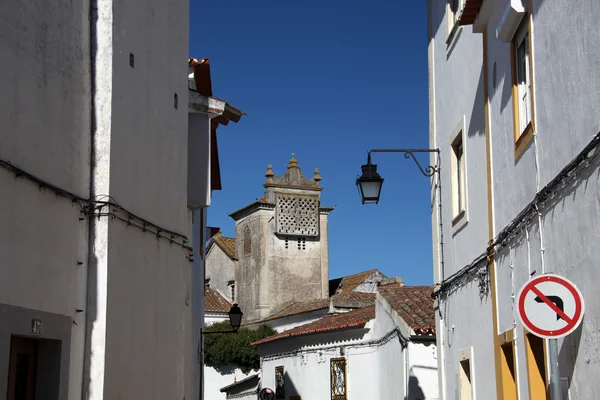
[
  {"x": 456, "y": 102},
  {"x": 45, "y": 111},
  {"x": 220, "y": 269},
  {"x": 566, "y": 84},
  {"x": 308, "y": 374},
  {"x": 567, "y": 107},
  {"x": 374, "y": 370}
]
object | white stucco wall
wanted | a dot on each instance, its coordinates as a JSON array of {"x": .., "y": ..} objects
[
  {"x": 215, "y": 379},
  {"x": 152, "y": 346},
  {"x": 220, "y": 269},
  {"x": 456, "y": 74},
  {"x": 308, "y": 374},
  {"x": 566, "y": 84},
  {"x": 45, "y": 111},
  {"x": 378, "y": 370},
  {"x": 566, "y": 117},
  {"x": 422, "y": 372}
]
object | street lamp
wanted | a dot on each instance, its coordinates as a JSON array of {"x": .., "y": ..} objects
[
  {"x": 369, "y": 184},
  {"x": 235, "y": 320}
]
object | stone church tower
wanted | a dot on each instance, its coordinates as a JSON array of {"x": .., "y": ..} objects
[{"x": 281, "y": 244}]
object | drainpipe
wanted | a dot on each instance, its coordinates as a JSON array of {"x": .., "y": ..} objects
[{"x": 86, "y": 370}]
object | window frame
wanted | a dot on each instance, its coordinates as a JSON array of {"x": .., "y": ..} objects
[
  {"x": 466, "y": 355},
  {"x": 523, "y": 132},
  {"x": 459, "y": 177},
  {"x": 231, "y": 287}
]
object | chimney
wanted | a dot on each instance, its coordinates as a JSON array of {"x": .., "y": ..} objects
[{"x": 392, "y": 282}]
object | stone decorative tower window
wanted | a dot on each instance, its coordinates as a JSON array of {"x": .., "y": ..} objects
[
  {"x": 297, "y": 215},
  {"x": 247, "y": 239}
]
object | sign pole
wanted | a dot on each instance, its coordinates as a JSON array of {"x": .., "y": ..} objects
[{"x": 555, "y": 389}]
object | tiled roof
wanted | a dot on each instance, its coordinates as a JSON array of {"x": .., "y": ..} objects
[
  {"x": 247, "y": 379},
  {"x": 470, "y": 11},
  {"x": 348, "y": 320},
  {"x": 226, "y": 244},
  {"x": 350, "y": 282},
  {"x": 413, "y": 304},
  {"x": 203, "y": 85},
  {"x": 214, "y": 302},
  {"x": 348, "y": 300}
]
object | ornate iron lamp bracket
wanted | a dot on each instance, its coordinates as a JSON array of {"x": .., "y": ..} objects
[{"x": 428, "y": 171}]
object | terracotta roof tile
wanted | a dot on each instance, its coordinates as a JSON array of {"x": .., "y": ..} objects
[
  {"x": 348, "y": 320},
  {"x": 348, "y": 300},
  {"x": 413, "y": 304},
  {"x": 226, "y": 244},
  {"x": 350, "y": 282},
  {"x": 214, "y": 302}
]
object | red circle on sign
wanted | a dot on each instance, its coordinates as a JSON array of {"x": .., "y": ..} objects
[
  {"x": 267, "y": 394},
  {"x": 575, "y": 319}
]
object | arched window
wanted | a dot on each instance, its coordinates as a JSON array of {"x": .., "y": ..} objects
[{"x": 247, "y": 241}]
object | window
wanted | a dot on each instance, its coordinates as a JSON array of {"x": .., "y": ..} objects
[
  {"x": 231, "y": 286},
  {"x": 466, "y": 388},
  {"x": 523, "y": 107},
  {"x": 536, "y": 367},
  {"x": 523, "y": 79},
  {"x": 301, "y": 243},
  {"x": 509, "y": 382},
  {"x": 465, "y": 375},
  {"x": 247, "y": 241},
  {"x": 279, "y": 383},
  {"x": 338, "y": 379},
  {"x": 458, "y": 166}
]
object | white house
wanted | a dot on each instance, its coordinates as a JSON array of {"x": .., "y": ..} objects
[
  {"x": 384, "y": 351},
  {"x": 514, "y": 111},
  {"x": 289, "y": 317},
  {"x": 99, "y": 258}
]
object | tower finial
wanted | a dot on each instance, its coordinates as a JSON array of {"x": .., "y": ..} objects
[
  {"x": 293, "y": 162},
  {"x": 317, "y": 177},
  {"x": 269, "y": 174}
]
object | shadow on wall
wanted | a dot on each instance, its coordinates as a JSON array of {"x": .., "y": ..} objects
[
  {"x": 414, "y": 389},
  {"x": 290, "y": 388},
  {"x": 567, "y": 356}
]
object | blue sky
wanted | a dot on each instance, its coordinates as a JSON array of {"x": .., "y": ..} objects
[{"x": 328, "y": 81}]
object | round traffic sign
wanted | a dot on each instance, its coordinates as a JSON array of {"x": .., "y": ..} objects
[
  {"x": 267, "y": 394},
  {"x": 550, "y": 306}
]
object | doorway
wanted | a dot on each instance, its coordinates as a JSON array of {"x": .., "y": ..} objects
[{"x": 22, "y": 368}]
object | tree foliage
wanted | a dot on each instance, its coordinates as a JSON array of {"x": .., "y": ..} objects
[{"x": 224, "y": 349}]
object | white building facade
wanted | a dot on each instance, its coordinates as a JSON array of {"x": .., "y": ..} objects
[
  {"x": 514, "y": 111},
  {"x": 380, "y": 352},
  {"x": 97, "y": 246}
]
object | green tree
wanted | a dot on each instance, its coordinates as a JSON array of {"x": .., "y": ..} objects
[{"x": 234, "y": 348}]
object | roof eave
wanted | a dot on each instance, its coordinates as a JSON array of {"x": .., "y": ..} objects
[{"x": 357, "y": 326}]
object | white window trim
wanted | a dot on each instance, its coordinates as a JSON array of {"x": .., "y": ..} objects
[
  {"x": 459, "y": 217},
  {"x": 467, "y": 354}
]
